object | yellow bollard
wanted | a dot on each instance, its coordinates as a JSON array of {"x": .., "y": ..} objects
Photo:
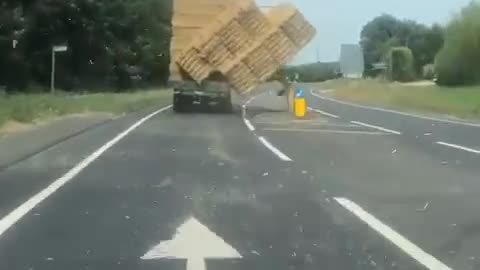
[
  {"x": 300, "y": 104},
  {"x": 300, "y": 107}
]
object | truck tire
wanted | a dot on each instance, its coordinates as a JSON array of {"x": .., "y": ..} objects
[
  {"x": 226, "y": 105},
  {"x": 178, "y": 103}
]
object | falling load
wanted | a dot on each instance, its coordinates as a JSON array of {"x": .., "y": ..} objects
[{"x": 239, "y": 44}]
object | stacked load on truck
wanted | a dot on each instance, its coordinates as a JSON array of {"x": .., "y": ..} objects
[
  {"x": 190, "y": 16},
  {"x": 243, "y": 44}
]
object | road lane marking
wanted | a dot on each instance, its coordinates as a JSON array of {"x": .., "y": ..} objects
[
  {"x": 397, "y": 239},
  {"x": 324, "y": 113},
  {"x": 194, "y": 242},
  {"x": 395, "y": 112},
  {"x": 352, "y": 132},
  {"x": 13, "y": 217},
  {"x": 376, "y": 127},
  {"x": 248, "y": 124},
  {"x": 456, "y": 146},
  {"x": 272, "y": 148},
  {"x": 326, "y": 91}
]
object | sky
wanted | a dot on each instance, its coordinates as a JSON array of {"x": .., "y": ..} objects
[{"x": 341, "y": 21}]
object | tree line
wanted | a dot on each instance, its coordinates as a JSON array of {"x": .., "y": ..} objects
[
  {"x": 411, "y": 50},
  {"x": 112, "y": 44}
]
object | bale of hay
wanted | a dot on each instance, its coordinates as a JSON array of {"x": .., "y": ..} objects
[{"x": 241, "y": 42}]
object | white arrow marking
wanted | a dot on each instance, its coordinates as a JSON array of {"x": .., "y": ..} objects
[{"x": 194, "y": 242}]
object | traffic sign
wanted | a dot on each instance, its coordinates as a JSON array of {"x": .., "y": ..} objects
[{"x": 61, "y": 48}]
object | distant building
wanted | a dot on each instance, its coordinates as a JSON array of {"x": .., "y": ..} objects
[{"x": 352, "y": 63}]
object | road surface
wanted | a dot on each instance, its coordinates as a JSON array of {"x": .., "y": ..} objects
[{"x": 253, "y": 190}]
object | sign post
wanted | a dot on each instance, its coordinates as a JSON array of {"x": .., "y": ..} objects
[{"x": 55, "y": 49}]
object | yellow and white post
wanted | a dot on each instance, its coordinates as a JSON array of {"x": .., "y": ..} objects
[{"x": 300, "y": 104}]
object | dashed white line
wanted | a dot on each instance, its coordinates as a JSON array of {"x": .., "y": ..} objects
[
  {"x": 248, "y": 124},
  {"x": 397, "y": 239},
  {"x": 395, "y": 112},
  {"x": 324, "y": 113},
  {"x": 13, "y": 217},
  {"x": 272, "y": 148},
  {"x": 456, "y": 146},
  {"x": 376, "y": 127}
]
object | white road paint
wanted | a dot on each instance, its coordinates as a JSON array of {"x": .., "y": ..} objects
[
  {"x": 351, "y": 132},
  {"x": 396, "y": 112},
  {"x": 272, "y": 148},
  {"x": 326, "y": 91},
  {"x": 324, "y": 113},
  {"x": 459, "y": 147},
  {"x": 376, "y": 127},
  {"x": 13, "y": 217},
  {"x": 248, "y": 124},
  {"x": 195, "y": 242},
  {"x": 401, "y": 242}
]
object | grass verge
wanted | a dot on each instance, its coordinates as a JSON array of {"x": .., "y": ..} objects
[
  {"x": 462, "y": 102},
  {"x": 28, "y": 108}
]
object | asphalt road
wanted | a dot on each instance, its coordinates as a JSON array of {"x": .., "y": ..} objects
[{"x": 253, "y": 190}]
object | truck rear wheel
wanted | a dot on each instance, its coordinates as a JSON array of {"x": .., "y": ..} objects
[
  {"x": 179, "y": 103},
  {"x": 226, "y": 105}
]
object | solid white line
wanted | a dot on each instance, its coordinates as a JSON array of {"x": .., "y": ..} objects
[
  {"x": 459, "y": 147},
  {"x": 324, "y": 113},
  {"x": 396, "y": 112},
  {"x": 272, "y": 148},
  {"x": 376, "y": 127},
  {"x": 248, "y": 124},
  {"x": 14, "y": 216},
  {"x": 401, "y": 242},
  {"x": 352, "y": 132}
]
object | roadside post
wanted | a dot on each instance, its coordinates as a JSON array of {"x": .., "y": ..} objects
[
  {"x": 300, "y": 104},
  {"x": 55, "y": 49}
]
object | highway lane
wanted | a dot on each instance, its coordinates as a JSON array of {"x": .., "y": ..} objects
[
  {"x": 451, "y": 141},
  {"x": 176, "y": 176},
  {"x": 427, "y": 192}
]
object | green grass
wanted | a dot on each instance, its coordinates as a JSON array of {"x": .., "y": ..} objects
[
  {"x": 462, "y": 102},
  {"x": 28, "y": 108}
]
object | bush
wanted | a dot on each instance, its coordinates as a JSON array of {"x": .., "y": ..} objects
[
  {"x": 458, "y": 61},
  {"x": 400, "y": 65}
]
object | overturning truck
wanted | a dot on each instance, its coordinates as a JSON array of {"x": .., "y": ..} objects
[{"x": 220, "y": 46}]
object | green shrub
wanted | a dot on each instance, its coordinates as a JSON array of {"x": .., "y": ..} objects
[
  {"x": 458, "y": 61},
  {"x": 400, "y": 65}
]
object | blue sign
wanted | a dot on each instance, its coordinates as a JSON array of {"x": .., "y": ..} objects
[{"x": 299, "y": 93}]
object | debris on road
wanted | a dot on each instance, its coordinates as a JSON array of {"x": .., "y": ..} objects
[
  {"x": 165, "y": 183},
  {"x": 427, "y": 134},
  {"x": 304, "y": 172},
  {"x": 394, "y": 151},
  {"x": 424, "y": 207},
  {"x": 265, "y": 174},
  {"x": 127, "y": 217},
  {"x": 444, "y": 163},
  {"x": 255, "y": 252}
]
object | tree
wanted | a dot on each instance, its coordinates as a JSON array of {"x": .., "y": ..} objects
[
  {"x": 109, "y": 41},
  {"x": 385, "y": 32},
  {"x": 400, "y": 64},
  {"x": 457, "y": 63}
]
